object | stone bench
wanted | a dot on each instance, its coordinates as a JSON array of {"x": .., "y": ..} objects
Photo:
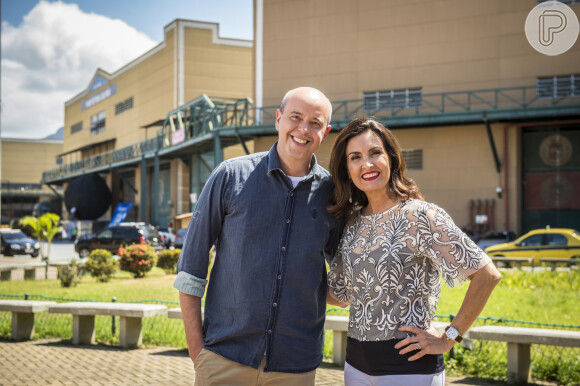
[
  {"x": 519, "y": 340},
  {"x": 517, "y": 260},
  {"x": 554, "y": 262},
  {"x": 23, "y": 311},
  {"x": 131, "y": 319},
  {"x": 29, "y": 270}
]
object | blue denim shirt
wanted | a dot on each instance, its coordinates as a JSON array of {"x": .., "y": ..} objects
[{"x": 267, "y": 289}]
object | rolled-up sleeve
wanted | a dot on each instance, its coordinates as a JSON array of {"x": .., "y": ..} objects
[
  {"x": 189, "y": 284},
  {"x": 202, "y": 233}
]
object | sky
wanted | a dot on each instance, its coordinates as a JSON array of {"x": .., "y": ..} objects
[{"x": 50, "y": 50}]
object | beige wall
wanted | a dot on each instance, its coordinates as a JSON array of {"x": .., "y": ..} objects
[
  {"x": 23, "y": 160},
  {"x": 345, "y": 47}
]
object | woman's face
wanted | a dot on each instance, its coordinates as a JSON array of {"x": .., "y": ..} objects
[{"x": 368, "y": 163}]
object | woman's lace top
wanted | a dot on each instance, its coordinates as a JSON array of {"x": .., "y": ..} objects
[{"x": 388, "y": 268}]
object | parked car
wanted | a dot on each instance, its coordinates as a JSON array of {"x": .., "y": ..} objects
[
  {"x": 495, "y": 237},
  {"x": 113, "y": 238},
  {"x": 15, "y": 242},
  {"x": 168, "y": 236},
  {"x": 559, "y": 243},
  {"x": 179, "y": 238}
]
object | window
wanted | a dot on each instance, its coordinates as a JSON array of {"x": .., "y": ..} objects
[
  {"x": 106, "y": 234},
  {"x": 556, "y": 239},
  {"x": 413, "y": 159},
  {"x": 558, "y": 86},
  {"x": 532, "y": 241},
  {"x": 392, "y": 99},
  {"x": 76, "y": 127},
  {"x": 98, "y": 123},
  {"x": 124, "y": 106}
]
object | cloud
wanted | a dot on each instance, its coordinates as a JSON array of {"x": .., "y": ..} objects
[{"x": 52, "y": 56}]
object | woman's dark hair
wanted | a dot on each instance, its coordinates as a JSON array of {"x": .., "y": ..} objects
[{"x": 347, "y": 198}]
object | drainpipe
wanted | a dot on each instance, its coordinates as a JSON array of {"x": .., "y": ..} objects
[{"x": 471, "y": 215}]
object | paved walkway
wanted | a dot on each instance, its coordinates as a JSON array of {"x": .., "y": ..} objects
[{"x": 54, "y": 362}]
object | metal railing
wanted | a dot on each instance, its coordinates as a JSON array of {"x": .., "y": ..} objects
[{"x": 203, "y": 118}]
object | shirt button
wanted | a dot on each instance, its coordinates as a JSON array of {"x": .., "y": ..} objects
[
  {"x": 287, "y": 221},
  {"x": 279, "y": 277},
  {"x": 283, "y": 249},
  {"x": 275, "y": 305},
  {"x": 269, "y": 331},
  {"x": 291, "y": 194}
]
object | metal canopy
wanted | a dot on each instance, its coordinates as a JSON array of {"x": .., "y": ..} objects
[{"x": 210, "y": 124}]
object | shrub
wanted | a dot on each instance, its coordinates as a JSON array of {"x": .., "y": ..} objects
[
  {"x": 168, "y": 260},
  {"x": 69, "y": 275},
  {"x": 102, "y": 265},
  {"x": 137, "y": 259}
]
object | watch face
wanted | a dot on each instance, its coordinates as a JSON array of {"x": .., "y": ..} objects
[{"x": 452, "y": 333}]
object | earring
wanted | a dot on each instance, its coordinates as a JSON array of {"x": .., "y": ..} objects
[{"x": 350, "y": 199}]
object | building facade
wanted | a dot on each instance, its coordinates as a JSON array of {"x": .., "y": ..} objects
[
  {"x": 490, "y": 127},
  {"x": 21, "y": 176},
  {"x": 114, "y": 126}
]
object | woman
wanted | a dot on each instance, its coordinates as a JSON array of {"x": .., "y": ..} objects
[{"x": 393, "y": 249}]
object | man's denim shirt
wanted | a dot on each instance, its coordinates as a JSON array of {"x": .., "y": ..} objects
[{"x": 267, "y": 289}]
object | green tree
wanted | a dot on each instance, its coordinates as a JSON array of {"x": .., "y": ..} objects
[{"x": 44, "y": 228}]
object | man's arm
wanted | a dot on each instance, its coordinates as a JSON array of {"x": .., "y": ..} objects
[{"x": 191, "y": 314}]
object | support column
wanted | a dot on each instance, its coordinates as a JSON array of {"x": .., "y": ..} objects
[
  {"x": 22, "y": 325},
  {"x": 143, "y": 189},
  {"x": 218, "y": 152},
  {"x": 83, "y": 329},
  {"x": 518, "y": 364},
  {"x": 155, "y": 195},
  {"x": 339, "y": 347},
  {"x": 130, "y": 334}
]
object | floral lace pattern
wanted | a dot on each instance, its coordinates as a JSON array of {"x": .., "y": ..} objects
[{"x": 388, "y": 267}]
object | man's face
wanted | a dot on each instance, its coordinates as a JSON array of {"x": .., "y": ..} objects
[{"x": 302, "y": 126}]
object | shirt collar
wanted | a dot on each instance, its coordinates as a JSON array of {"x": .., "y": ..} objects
[{"x": 274, "y": 164}]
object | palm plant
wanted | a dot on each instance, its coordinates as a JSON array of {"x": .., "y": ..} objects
[{"x": 44, "y": 228}]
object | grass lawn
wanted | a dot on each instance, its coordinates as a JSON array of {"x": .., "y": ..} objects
[
  {"x": 550, "y": 298},
  {"x": 156, "y": 285}
]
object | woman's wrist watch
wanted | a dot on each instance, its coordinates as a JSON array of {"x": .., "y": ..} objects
[{"x": 453, "y": 334}]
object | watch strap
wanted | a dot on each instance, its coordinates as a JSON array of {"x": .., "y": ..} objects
[{"x": 458, "y": 338}]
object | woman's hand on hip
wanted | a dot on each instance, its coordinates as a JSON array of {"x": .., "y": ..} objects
[{"x": 424, "y": 342}]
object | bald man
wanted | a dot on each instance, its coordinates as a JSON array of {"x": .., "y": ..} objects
[{"x": 266, "y": 297}]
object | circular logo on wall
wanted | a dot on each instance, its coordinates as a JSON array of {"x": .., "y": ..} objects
[
  {"x": 556, "y": 191},
  {"x": 556, "y": 150},
  {"x": 552, "y": 28}
]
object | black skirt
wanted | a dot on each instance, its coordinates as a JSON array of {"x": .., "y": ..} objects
[{"x": 381, "y": 358}]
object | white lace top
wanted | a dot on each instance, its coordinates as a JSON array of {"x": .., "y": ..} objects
[{"x": 388, "y": 267}]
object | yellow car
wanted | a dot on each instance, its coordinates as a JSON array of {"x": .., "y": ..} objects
[{"x": 558, "y": 243}]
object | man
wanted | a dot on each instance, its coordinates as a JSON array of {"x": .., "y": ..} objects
[{"x": 266, "y": 298}]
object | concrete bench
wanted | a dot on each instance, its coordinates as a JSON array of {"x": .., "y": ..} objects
[
  {"x": 131, "y": 319},
  {"x": 518, "y": 261},
  {"x": 519, "y": 340},
  {"x": 29, "y": 270},
  {"x": 23, "y": 311},
  {"x": 554, "y": 262}
]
